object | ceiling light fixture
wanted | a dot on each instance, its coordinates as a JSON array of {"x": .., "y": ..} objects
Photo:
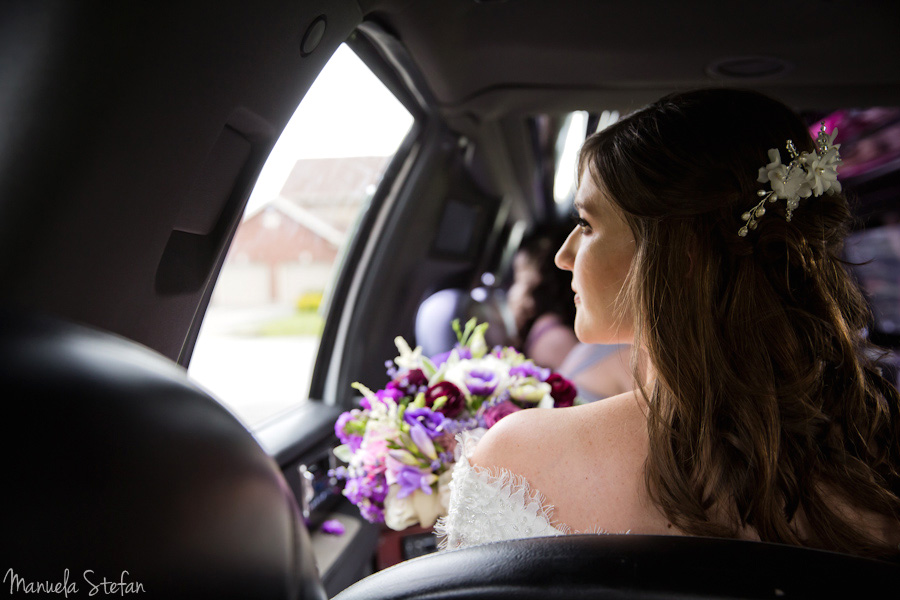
[{"x": 748, "y": 67}]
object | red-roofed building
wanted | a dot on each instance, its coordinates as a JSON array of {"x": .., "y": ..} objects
[{"x": 287, "y": 246}]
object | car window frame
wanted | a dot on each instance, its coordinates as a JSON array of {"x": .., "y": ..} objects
[{"x": 295, "y": 431}]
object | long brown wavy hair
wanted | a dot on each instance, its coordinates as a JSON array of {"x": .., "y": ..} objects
[{"x": 767, "y": 403}]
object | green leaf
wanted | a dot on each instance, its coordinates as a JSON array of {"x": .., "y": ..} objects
[
  {"x": 470, "y": 326},
  {"x": 439, "y": 403},
  {"x": 355, "y": 428},
  {"x": 410, "y": 446},
  {"x": 430, "y": 369},
  {"x": 476, "y": 341},
  {"x": 343, "y": 453}
]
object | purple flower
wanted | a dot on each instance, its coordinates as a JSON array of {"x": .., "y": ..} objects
[
  {"x": 351, "y": 439},
  {"x": 528, "y": 369},
  {"x": 375, "y": 487},
  {"x": 462, "y": 352},
  {"x": 388, "y": 392},
  {"x": 482, "y": 382},
  {"x": 371, "y": 512},
  {"x": 452, "y": 427},
  {"x": 339, "y": 426},
  {"x": 352, "y": 492},
  {"x": 430, "y": 420},
  {"x": 333, "y": 527},
  {"x": 498, "y": 411},
  {"x": 368, "y": 488},
  {"x": 422, "y": 440},
  {"x": 411, "y": 479}
]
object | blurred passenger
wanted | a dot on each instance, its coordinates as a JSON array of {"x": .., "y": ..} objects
[
  {"x": 543, "y": 305},
  {"x": 599, "y": 370},
  {"x": 542, "y": 301}
]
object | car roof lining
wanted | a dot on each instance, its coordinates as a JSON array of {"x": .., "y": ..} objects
[
  {"x": 488, "y": 58},
  {"x": 110, "y": 124}
]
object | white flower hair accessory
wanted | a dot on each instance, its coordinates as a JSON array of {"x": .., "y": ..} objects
[{"x": 808, "y": 174}]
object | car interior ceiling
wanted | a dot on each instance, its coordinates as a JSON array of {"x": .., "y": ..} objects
[{"x": 134, "y": 132}]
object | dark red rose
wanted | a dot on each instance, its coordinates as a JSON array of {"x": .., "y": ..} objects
[
  {"x": 562, "y": 390},
  {"x": 410, "y": 382},
  {"x": 497, "y": 412},
  {"x": 455, "y": 403}
]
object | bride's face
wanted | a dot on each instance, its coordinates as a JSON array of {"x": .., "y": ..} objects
[{"x": 598, "y": 252}]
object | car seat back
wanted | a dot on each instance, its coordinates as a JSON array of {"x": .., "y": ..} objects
[{"x": 118, "y": 467}]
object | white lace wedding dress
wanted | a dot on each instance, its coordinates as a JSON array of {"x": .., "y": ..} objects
[{"x": 491, "y": 505}]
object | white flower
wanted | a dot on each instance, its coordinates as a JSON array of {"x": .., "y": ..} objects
[
  {"x": 774, "y": 171},
  {"x": 399, "y": 513},
  {"x": 384, "y": 410},
  {"x": 418, "y": 507},
  {"x": 462, "y": 373},
  {"x": 788, "y": 182},
  {"x": 444, "y": 489},
  {"x": 829, "y": 139},
  {"x": 428, "y": 507},
  {"x": 546, "y": 402},
  {"x": 795, "y": 186},
  {"x": 409, "y": 358},
  {"x": 822, "y": 173},
  {"x": 530, "y": 390}
]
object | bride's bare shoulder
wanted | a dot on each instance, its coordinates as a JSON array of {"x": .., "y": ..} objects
[
  {"x": 587, "y": 461},
  {"x": 529, "y": 441}
]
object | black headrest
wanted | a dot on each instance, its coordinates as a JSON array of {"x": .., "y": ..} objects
[
  {"x": 629, "y": 566},
  {"x": 117, "y": 467}
]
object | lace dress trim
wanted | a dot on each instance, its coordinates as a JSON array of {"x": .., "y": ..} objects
[{"x": 489, "y": 505}]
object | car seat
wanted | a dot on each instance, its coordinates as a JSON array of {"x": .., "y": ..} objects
[
  {"x": 116, "y": 466},
  {"x": 629, "y": 566}
]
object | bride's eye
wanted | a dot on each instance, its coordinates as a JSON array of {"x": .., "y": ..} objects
[{"x": 581, "y": 223}]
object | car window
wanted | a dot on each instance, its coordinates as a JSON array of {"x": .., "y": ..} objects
[
  {"x": 576, "y": 126},
  {"x": 571, "y": 136},
  {"x": 259, "y": 338},
  {"x": 870, "y": 150}
]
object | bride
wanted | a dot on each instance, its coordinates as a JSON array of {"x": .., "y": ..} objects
[{"x": 711, "y": 242}]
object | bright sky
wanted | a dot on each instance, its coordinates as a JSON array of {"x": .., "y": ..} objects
[{"x": 347, "y": 112}]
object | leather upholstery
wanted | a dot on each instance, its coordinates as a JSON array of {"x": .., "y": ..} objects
[
  {"x": 629, "y": 566},
  {"x": 114, "y": 461}
]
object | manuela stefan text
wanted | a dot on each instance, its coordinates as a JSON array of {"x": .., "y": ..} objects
[{"x": 95, "y": 584}]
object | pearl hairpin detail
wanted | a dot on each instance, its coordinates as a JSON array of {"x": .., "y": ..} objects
[{"x": 808, "y": 174}]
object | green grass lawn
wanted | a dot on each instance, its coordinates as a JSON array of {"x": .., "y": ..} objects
[{"x": 299, "y": 323}]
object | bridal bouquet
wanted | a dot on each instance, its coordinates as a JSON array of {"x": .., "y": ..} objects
[{"x": 399, "y": 446}]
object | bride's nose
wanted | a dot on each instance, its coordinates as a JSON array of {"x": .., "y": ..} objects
[{"x": 565, "y": 257}]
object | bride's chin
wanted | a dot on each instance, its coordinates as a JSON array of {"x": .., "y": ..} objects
[
  {"x": 587, "y": 334},
  {"x": 591, "y": 333}
]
